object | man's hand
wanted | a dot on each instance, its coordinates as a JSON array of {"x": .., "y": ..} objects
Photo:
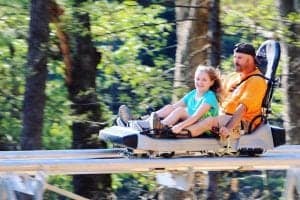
[
  {"x": 233, "y": 122},
  {"x": 224, "y": 132}
]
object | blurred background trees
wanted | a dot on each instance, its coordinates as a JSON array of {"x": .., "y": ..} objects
[
  {"x": 63, "y": 77},
  {"x": 289, "y": 21}
]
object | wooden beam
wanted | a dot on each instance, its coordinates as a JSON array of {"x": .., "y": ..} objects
[{"x": 281, "y": 158}]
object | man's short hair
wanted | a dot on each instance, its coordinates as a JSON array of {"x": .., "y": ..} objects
[{"x": 245, "y": 48}]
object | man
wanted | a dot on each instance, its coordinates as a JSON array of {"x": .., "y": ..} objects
[{"x": 244, "y": 91}]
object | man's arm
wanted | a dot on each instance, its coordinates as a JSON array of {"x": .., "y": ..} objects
[{"x": 235, "y": 119}]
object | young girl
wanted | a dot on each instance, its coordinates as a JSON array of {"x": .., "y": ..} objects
[{"x": 198, "y": 104}]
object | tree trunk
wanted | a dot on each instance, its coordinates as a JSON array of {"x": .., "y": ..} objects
[
  {"x": 213, "y": 185},
  {"x": 36, "y": 75},
  {"x": 214, "y": 59},
  {"x": 82, "y": 91},
  {"x": 291, "y": 70},
  {"x": 195, "y": 45},
  {"x": 214, "y": 34}
]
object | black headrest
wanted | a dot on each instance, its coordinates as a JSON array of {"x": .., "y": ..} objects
[{"x": 267, "y": 58}]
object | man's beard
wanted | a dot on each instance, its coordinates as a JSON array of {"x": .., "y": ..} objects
[{"x": 238, "y": 68}]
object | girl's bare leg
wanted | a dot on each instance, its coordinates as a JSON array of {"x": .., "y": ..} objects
[
  {"x": 176, "y": 115},
  {"x": 165, "y": 111},
  {"x": 207, "y": 124}
]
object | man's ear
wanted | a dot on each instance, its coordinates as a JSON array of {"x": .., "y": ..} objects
[{"x": 249, "y": 60}]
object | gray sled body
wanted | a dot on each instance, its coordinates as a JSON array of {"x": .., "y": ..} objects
[{"x": 261, "y": 140}]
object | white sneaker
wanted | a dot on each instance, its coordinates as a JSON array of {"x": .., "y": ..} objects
[
  {"x": 124, "y": 115},
  {"x": 155, "y": 122}
]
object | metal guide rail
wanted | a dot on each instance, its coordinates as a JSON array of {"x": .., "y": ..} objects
[
  {"x": 62, "y": 154},
  {"x": 103, "y": 161}
]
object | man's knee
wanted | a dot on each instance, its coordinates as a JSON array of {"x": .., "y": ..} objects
[
  {"x": 211, "y": 121},
  {"x": 202, "y": 126}
]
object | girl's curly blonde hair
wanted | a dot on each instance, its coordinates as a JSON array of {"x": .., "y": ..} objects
[{"x": 215, "y": 75}]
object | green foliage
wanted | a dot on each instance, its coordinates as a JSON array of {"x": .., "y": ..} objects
[
  {"x": 57, "y": 133},
  {"x": 120, "y": 64},
  {"x": 251, "y": 184},
  {"x": 124, "y": 33},
  {"x": 274, "y": 184},
  {"x": 289, "y": 36},
  {"x": 63, "y": 182},
  {"x": 12, "y": 58},
  {"x": 146, "y": 181},
  {"x": 239, "y": 17},
  {"x": 277, "y": 116},
  {"x": 132, "y": 69}
]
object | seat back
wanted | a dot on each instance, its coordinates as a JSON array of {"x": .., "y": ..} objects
[{"x": 267, "y": 58}]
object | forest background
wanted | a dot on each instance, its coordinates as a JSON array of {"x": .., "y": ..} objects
[{"x": 67, "y": 65}]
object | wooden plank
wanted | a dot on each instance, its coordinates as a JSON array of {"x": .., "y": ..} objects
[
  {"x": 65, "y": 193},
  {"x": 123, "y": 165}
]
